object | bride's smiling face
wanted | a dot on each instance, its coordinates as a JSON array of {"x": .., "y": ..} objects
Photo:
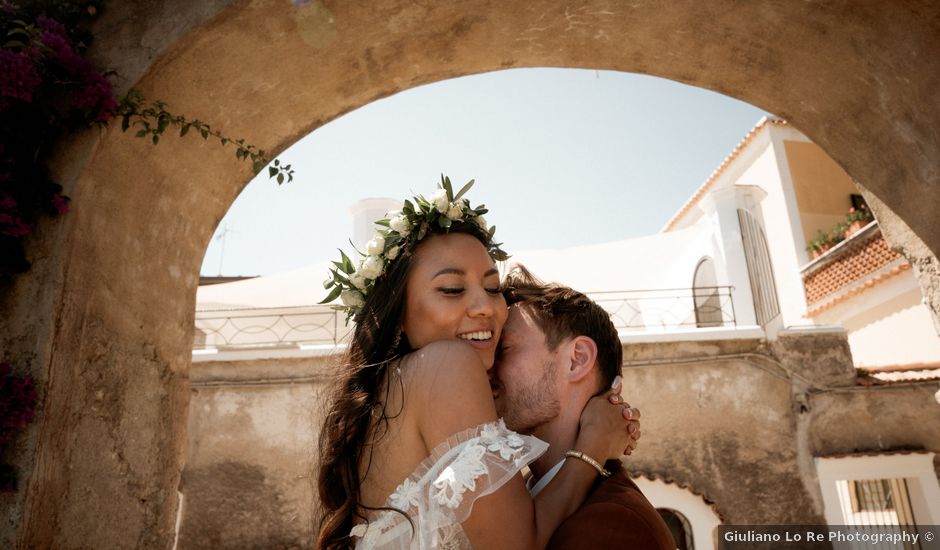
[{"x": 453, "y": 291}]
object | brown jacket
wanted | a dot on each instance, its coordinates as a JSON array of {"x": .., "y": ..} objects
[{"x": 614, "y": 515}]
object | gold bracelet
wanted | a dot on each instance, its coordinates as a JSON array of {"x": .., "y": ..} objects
[{"x": 578, "y": 454}]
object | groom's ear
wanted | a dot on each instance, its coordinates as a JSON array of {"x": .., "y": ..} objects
[{"x": 583, "y": 355}]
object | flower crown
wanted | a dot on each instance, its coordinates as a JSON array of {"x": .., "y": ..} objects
[{"x": 352, "y": 283}]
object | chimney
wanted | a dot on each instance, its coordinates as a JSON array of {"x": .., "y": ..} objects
[{"x": 365, "y": 212}]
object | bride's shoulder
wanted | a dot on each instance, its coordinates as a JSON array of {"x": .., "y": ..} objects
[
  {"x": 447, "y": 354},
  {"x": 447, "y": 373}
]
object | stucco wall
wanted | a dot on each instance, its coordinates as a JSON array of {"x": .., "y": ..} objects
[
  {"x": 733, "y": 420},
  {"x": 888, "y": 324},
  {"x": 249, "y": 479},
  {"x": 822, "y": 188}
]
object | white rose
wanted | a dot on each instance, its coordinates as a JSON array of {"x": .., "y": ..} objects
[
  {"x": 400, "y": 224},
  {"x": 352, "y": 298},
  {"x": 454, "y": 212},
  {"x": 358, "y": 280},
  {"x": 482, "y": 223},
  {"x": 376, "y": 246},
  {"x": 392, "y": 253},
  {"x": 439, "y": 200},
  {"x": 371, "y": 268}
]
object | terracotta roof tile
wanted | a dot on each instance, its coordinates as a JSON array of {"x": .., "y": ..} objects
[
  {"x": 652, "y": 476},
  {"x": 898, "y": 374},
  {"x": 854, "y": 268},
  {"x": 889, "y": 452}
]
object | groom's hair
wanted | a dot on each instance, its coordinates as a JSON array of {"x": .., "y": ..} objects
[{"x": 563, "y": 313}]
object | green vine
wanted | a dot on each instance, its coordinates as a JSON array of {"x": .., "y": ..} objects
[{"x": 154, "y": 120}]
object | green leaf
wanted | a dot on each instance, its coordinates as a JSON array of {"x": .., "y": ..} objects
[
  {"x": 184, "y": 130},
  {"x": 444, "y": 222},
  {"x": 141, "y": 133},
  {"x": 354, "y": 247},
  {"x": 492, "y": 231},
  {"x": 125, "y": 124},
  {"x": 17, "y": 30},
  {"x": 280, "y": 179},
  {"x": 383, "y": 223},
  {"x": 13, "y": 44},
  {"x": 328, "y": 283},
  {"x": 272, "y": 171},
  {"x": 277, "y": 162},
  {"x": 464, "y": 189},
  {"x": 332, "y": 295},
  {"x": 205, "y": 133},
  {"x": 156, "y": 139},
  {"x": 445, "y": 183},
  {"x": 346, "y": 261}
]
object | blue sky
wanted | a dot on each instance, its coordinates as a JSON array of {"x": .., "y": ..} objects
[{"x": 561, "y": 157}]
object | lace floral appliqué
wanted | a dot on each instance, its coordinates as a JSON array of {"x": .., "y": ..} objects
[{"x": 440, "y": 494}]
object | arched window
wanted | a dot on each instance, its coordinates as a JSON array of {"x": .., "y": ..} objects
[
  {"x": 679, "y": 527},
  {"x": 759, "y": 269},
  {"x": 705, "y": 294}
]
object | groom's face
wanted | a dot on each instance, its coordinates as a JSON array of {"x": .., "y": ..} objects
[{"x": 525, "y": 381}]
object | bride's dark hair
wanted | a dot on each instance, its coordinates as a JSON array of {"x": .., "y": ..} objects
[{"x": 356, "y": 400}]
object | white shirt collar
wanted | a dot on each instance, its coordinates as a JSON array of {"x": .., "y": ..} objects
[{"x": 543, "y": 481}]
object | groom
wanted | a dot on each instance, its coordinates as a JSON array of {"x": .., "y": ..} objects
[{"x": 558, "y": 349}]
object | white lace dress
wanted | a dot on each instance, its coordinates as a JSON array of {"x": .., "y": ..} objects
[{"x": 439, "y": 495}]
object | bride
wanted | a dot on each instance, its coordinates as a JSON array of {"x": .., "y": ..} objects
[{"x": 412, "y": 452}]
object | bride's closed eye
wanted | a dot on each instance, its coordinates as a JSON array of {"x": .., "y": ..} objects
[{"x": 450, "y": 291}]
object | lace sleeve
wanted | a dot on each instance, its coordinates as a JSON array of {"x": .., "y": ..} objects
[{"x": 440, "y": 494}]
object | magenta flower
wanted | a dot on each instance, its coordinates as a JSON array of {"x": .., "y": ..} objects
[
  {"x": 60, "y": 204},
  {"x": 19, "y": 77}
]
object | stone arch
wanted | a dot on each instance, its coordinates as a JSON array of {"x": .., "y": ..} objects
[{"x": 111, "y": 343}]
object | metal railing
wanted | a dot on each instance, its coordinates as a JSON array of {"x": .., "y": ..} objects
[
  {"x": 319, "y": 325},
  {"x": 270, "y": 327},
  {"x": 668, "y": 309}
]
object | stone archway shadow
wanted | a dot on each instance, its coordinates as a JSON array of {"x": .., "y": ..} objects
[{"x": 112, "y": 342}]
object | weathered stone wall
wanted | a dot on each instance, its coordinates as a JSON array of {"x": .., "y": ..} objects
[
  {"x": 733, "y": 420},
  {"x": 249, "y": 479},
  {"x": 105, "y": 319}
]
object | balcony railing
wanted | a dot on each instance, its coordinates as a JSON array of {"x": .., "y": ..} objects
[
  {"x": 270, "y": 327},
  {"x": 315, "y": 326},
  {"x": 668, "y": 309}
]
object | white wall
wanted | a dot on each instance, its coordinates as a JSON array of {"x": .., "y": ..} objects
[
  {"x": 887, "y": 324},
  {"x": 702, "y": 518},
  {"x": 781, "y": 218}
]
